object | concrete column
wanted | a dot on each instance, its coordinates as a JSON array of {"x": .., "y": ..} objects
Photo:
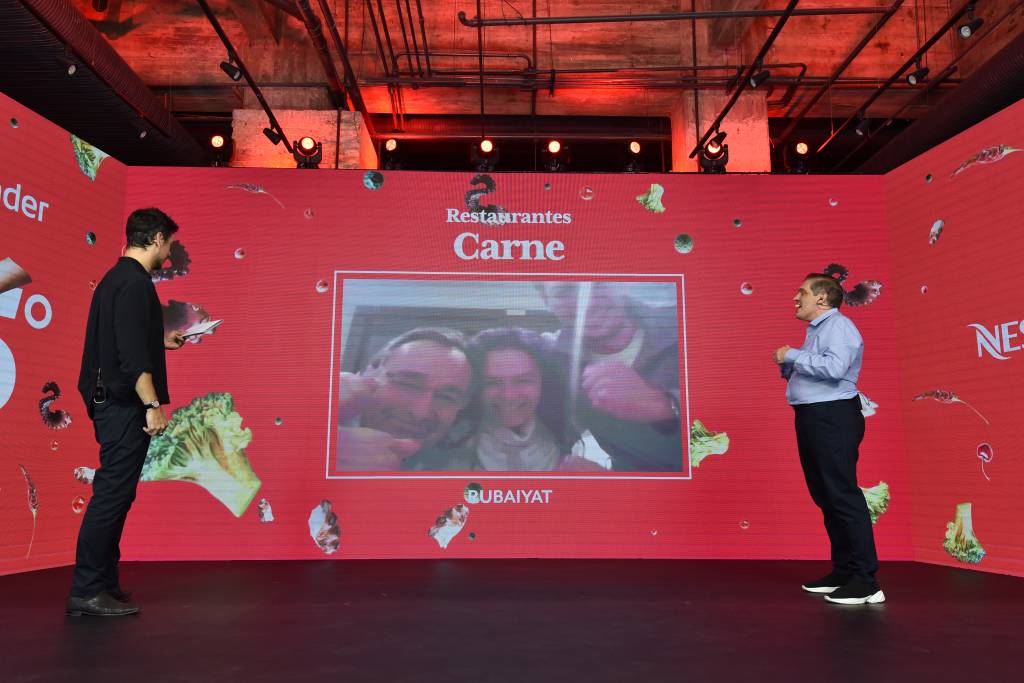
[
  {"x": 746, "y": 125},
  {"x": 343, "y": 135}
]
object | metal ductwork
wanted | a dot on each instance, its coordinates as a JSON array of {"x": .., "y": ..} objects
[
  {"x": 103, "y": 101},
  {"x": 993, "y": 87}
]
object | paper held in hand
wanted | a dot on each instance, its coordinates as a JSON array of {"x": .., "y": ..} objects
[{"x": 204, "y": 327}]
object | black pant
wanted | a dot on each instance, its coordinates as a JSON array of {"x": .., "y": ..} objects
[
  {"x": 123, "y": 446},
  {"x": 828, "y": 435}
]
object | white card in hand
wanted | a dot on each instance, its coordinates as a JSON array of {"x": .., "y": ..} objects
[{"x": 205, "y": 327}]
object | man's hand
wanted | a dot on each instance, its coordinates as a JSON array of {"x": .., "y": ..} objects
[
  {"x": 156, "y": 421},
  {"x": 355, "y": 392},
  {"x": 370, "y": 450},
  {"x": 615, "y": 388},
  {"x": 574, "y": 463},
  {"x": 779, "y": 355},
  {"x": 174, "y": 340}
]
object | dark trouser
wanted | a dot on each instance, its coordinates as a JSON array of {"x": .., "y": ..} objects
[
  {"x": 828, "y": 435},
  {"x": 123, "y": 446}
]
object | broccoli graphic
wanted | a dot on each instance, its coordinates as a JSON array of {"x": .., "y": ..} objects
[
  {"x": 877, "y": 498},
  {"x": 651, "y": 200},
  {"x": 960, "y": 540},
  {"x": 89, "y": 158},
  {"x": 704, "y": 442},
  {"x": 204, "y": 444}
]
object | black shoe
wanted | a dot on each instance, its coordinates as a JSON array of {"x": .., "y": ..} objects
[
  {"x": 826, "y": 584},
  {"x": 102, "y": 605},
  {"x": 857, "y": 592},
  {"x": 120, "y": 595}
]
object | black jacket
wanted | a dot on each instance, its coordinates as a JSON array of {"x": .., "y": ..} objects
[{"x": 124, "y": 336}]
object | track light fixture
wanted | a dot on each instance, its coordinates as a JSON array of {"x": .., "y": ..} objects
[
  {"x": 718, "y": 138},
  {"x": 863, "y": 127},
  {"x": 67, "y": 61},
  {"x": 228, "y": 67},
  {"x": 759, "y": 78},
  {"x": 272, "y": 135},
  {"x": 972, "y": 25},
  {"x": 308, "y": 153},
  {"x": 918, "y": 75}
]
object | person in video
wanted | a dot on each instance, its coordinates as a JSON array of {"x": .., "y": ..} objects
[
  {"x": 395, "y": 414},
  {"x": 522, "y": 407},
  {"x": 628, "y": 393}
]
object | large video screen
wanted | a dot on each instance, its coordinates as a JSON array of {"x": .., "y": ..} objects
[{"x": 495, "y": 375}]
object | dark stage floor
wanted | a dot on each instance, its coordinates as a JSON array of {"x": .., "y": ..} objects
[{"x": 514, "y": 620}]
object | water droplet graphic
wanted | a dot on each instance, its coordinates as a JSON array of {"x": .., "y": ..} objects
[
  {"x": 54, "y": 446},
  {"x": 985, "y": 454},
  {"x": 77, "y": 505},
  {"x": 746, "y": 289},
  {"x": 472, "y": 535},
  {"x": 308, "y": 214},
  {"x": 587, "y": 193},
  {"x": 924, "y": 289},
  {"x": 92, "y": 284},
  {"x": 278, "y": 421},
  {"x": 14, "y": 122},
  {"x": 684, "y": 244},
  {"x": 928, "y": 178},
  {"x": 90, "y": 238},
  {"x": 373, "y": 180},
  {"x": 322, "y": 286},
  {"x": 736, "y": 222},
  {"x": 832, "y": 201},
  {"x": 744, "y": 524},
  {"x": 936, "y": 231},
  {"x": 239, "y": 254},
  {"x": 654, "y": 532},
  {"x": 547, "y": 186}
]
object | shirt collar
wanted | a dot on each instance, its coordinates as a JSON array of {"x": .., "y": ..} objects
[
  {"x": 131, "y": 261},
  {"x": 827, "y": 314}
]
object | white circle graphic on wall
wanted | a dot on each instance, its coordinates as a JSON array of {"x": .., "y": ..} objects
[{"x": 7, "y": 373}]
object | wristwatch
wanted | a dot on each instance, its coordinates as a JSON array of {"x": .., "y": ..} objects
[{"x": 152, "y": 405}]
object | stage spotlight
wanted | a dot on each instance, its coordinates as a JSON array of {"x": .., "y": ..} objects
[
  {"x": 863, "y": 127},
  {"x": 220, "y": 149},
  {"x": 233, "y": 72},
  {"x": 634, "y": 147},
  {"x": 718, "y": 138},
  {"x": 390, "y": 145},
  {"x": 484, "y": 156},
  {"x": 917, "y": 76},
  {"x": 307, "y": 153},
  {"x": 714, "y": 157},
  {"x": 391, "y": 156},
  {"x": 759, "y": 78},
  {"x": 973, "y": 24},
  {"x": 217, "y": 142},
  {"x": 272, "y": 135},
  {"x": 796, "y": 157},
  {"x": 554, "y": 147}
]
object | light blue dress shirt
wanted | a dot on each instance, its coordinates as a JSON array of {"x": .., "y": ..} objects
[{"x": 826, "y": 367}]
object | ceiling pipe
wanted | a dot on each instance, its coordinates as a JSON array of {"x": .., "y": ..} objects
[
  {"x": 838, "y": 71},
  {"x": 316, "y": 35},
  {"x": 667, "y": 16},
  {"x": 995, "y": 86},
  {"x": 754, "y": 65},
  {"x": 351, "y": 82},
  {"x": 862, "y": 110}
]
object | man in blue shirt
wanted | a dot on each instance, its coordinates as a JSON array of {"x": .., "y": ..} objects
[{"x": 822, "y": 388}]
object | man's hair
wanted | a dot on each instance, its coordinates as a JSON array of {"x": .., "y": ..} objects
[
  {"x": 820, "y": 283},
  {"x": 439, "y": 335},
  {"x": 144, "y": 224}
]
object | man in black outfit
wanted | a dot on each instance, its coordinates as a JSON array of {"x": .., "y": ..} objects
[{"x": 124, "y": 384}]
